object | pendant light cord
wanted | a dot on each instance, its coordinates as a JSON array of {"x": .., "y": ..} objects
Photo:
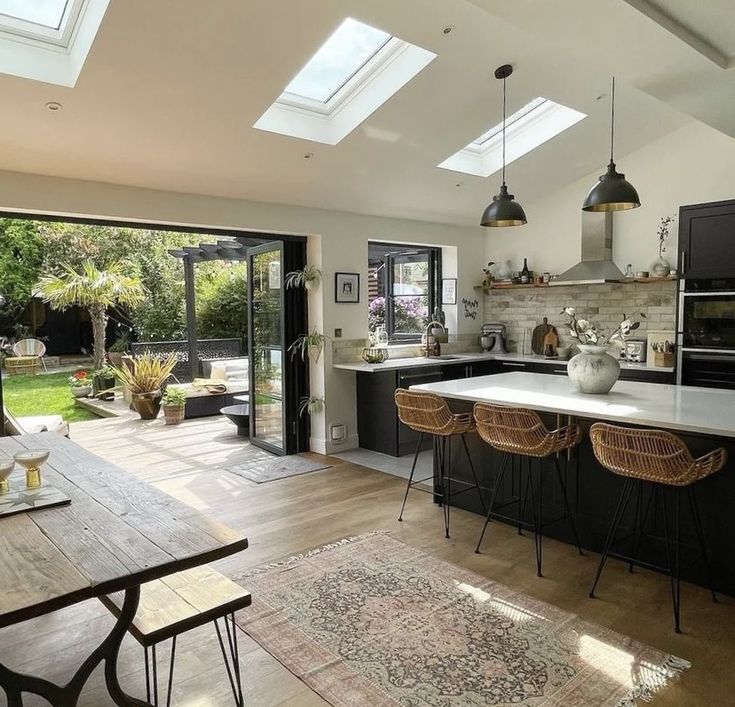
[
  {"x": 612, "y": 121},
  {"x": 503, "y": 130}
]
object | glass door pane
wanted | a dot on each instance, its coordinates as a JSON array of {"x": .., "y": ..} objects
[{"x": 267, "y": 347}]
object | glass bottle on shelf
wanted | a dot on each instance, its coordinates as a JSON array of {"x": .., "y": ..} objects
[
  {"x": 525, "y": 273},
  {"x": 381, "y": 337},
  {"x": 629, "y": 271}
]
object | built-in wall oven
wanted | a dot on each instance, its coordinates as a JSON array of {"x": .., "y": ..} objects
[{"x": 706, "y": 333}]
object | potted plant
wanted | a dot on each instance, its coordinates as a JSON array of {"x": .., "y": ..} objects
[
  {"x": 661, "y": 267},
  {"x": 144, "y": 380},
  {"x": 311, "y": 406},
  {"x": 311, "y": 344},
  {"x": 308, "y": 278},
  {"x": 173, "y": 403},
  {"x": 80, "y": 384},
  {"x": 118, "y": 349},
  {"x": 103, "y": 381}
]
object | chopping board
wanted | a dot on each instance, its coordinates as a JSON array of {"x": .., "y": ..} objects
[{"x": 539, "y": 335}]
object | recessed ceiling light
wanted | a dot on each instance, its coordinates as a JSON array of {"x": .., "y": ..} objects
[
  {"x": 54, "y": 105},
  {"x": 448, "y": 29},
  {"x": 308, "y": 155}
]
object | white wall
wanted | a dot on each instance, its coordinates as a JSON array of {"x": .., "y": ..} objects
[
  {"x": 691, "y": 165},
  {"x": 337, "y": 242}
]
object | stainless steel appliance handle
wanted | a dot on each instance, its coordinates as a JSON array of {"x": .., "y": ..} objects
[
  {"x": 683, "y": 262},
  {"x": 511, "y": 363},
  {"x": 679, "y": 366},
  {"x": 708, "y": 294},
  {"x": 689, "y": 349}
]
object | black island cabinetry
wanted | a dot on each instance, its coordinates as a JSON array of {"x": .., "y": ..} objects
[{"x": 378, "y": 426}]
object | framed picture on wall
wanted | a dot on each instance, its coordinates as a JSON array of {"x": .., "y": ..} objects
[
  {"x": 449, "y": 290},
  {"x": 347, "y": 287}
]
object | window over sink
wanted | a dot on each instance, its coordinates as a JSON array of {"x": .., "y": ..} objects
[{"x": 402, "y": 289}]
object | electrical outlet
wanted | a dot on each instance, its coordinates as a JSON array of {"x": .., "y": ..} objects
[{"x": 338, "y": 333}]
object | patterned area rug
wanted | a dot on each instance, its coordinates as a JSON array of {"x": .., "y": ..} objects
[
  {"x": 372, "y": 621},
  {"x": 262, "y": 467}
]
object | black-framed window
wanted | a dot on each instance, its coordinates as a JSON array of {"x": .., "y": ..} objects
[{"x": 403, "y": 284}]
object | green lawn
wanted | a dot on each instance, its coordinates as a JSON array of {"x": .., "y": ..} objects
[{"x": 44, "y": 394}]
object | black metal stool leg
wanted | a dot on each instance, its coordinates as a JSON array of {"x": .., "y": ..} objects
[
  {"x": 536, "y": 511},
  {"x": 155, "y": 675},
  {"x": 448, "y": 482},
  {"x": 567, "y": 506},
  {"x": 673, "y": 565},
  {"x": 617, "y": 517},
  {"x": 147, "y": 675},
  {"x": 496, "y": 486},
  {"x": 410, "y": 478},
  {"x": 172, "y": 661},
  {"x": 699, "y": 530},
  {"x": 474, "y": 473},
  {"x": 522, "y": 496}
]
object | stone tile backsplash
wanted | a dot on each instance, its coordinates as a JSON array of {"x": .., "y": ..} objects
[{"x": 522, "y": 309}]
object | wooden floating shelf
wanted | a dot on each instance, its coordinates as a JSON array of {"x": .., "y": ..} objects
[{"x": 626, "y": 281}]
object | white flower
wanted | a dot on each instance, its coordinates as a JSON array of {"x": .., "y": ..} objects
[
  {"x": 583, "y": 325},
  {"x": 592, "y": 336},
  {"x": 570, "y": 311},
  {"x": 625, "y": 327}
]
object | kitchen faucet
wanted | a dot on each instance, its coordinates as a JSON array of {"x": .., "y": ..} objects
[{"x": 428, "y": 328}]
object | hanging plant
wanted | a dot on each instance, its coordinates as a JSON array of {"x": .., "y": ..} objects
[
  {"x": 311, "y": 405},
  {"x": 311, "y": 344},
  {"x": 308, "y": 278}
]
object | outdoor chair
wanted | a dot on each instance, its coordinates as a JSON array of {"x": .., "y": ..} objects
[{"x": 31, "y": 348}]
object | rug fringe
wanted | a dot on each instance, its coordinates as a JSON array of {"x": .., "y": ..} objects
[
  {"x": 310, "y": 553},
  {"x": 654, "y": 679}
]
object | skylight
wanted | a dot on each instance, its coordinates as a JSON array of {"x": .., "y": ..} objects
[
  {"x": 355, "y": 71},
  {"x": 526, "y": 129},
  {"x": 41, "y": 12},
  {"x": 350, "y": 47},
  {"x": 48, "y": 40}
]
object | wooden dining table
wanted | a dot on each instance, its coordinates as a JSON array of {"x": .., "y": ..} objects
[{"x": 116, "y": 534}]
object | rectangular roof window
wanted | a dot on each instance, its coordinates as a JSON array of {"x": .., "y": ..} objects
[
  {"x": 47, "y": 13},
  {"x": 347, "y": 50}
]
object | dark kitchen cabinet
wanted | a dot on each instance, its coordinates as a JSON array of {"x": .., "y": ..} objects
[{"x": 706, "y": 240}]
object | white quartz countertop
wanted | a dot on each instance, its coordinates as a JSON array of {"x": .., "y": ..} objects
[
  {"x": 678, "y": 408},
  {"x": 449, "y": 359}
]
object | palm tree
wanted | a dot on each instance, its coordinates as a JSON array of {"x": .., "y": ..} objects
[{"x": 94, "y": 289}]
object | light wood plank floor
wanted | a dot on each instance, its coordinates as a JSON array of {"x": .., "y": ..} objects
[{"x": 293, "y": 515}]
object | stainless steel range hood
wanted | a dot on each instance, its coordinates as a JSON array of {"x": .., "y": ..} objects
[{"x": 597, "y": 265}]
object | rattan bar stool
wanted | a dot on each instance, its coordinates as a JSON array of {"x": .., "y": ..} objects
[
  {"x": 661, "y": 461},
  {"x": 429, "y": 414},
  {"x": 520, "y": 434}
]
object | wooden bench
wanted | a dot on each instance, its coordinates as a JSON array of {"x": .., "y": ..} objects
[{"x": 181, "y": 602}]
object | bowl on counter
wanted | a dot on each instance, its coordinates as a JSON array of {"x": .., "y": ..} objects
[{"x": 374, "y": 355}]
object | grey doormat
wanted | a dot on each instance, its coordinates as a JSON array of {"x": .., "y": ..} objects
[{"x": 262, "y": 469}]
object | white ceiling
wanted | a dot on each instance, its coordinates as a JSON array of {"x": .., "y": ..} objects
[{"x": 170, "y": 92}]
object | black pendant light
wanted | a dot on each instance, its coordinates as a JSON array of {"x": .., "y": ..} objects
[
  {"x": 503, "y": 210},
  {"x": 613, "y": 192}
]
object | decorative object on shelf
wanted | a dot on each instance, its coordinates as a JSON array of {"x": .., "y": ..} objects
[
  {"x": 347, "y": 287},
  {"x": 449, "y": 290},
  {"x": 311, "y": 344},
  {"x": 629, "y": 271},
  {"x": 173, "y": 403},
  {"x": 31, "y": 460},
  {"x": 525, "y": 273},
  {"x": 144, "y": 379},
  {"x": 594, "y": 370},
  {"x": 641, "y": 275},
  {"x": 7, "y": 464},
  {"x": 612, "y": 192},
  {"x": 546, "y": 278},
  {"x": 309, "y": 278},
  {"x": 311, "y": 405},
  {"x": 80, "y": 384},
  {"x": 505, "y": 271},
  {"x": 488, "y": 278},
  {"x": 661, "y": 267},
  {"x": 503, "y": 210},
  {"x": 372, "y": 354}
]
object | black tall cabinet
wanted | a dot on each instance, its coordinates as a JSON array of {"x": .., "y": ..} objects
[{"x": 707, "y": 240}]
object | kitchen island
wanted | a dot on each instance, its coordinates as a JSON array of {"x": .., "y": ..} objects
[{"x": 703, "y": 417}]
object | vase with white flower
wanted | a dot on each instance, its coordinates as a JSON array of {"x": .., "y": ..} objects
[
  {"x": 661, "y": 266},
  {"x": 593, "y": 370}
]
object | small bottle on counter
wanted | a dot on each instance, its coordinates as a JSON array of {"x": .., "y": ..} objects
[{"x": 525, "y": 273}]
